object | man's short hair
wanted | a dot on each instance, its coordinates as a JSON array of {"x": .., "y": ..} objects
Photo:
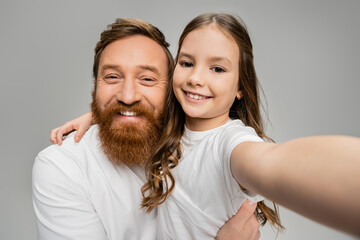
[{"x": 125, "y": 27}]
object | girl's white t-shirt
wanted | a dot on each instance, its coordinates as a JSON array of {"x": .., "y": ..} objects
[{"x": 205, "y": 195}]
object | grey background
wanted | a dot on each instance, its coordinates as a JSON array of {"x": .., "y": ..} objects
[{"x": 306, "y": 55}]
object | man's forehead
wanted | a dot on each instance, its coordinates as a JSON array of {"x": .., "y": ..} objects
[{"x": 137, "y": 51}]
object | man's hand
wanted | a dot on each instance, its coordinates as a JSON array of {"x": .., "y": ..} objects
[{"x": 243, "y": 226}]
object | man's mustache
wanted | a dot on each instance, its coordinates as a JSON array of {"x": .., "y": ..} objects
[{"x": 135, "y": 109}]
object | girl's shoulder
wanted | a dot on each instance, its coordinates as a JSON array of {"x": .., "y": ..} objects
[
  {"x": 224, "y": 133},
  {"x": 236, "y": 130},
  {"x": 237, "y": 125}
]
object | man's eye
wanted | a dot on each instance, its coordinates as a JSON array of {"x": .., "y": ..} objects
[
  {"x": 185, "y": 64},
  {"x": 218, "y": 69},
  {"x": 148, "y": 81},
  {"x": 111, "y": 78}
]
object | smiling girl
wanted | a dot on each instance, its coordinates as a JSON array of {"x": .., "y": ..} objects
[
  {"x": 212, "y": 157},
  {"x": 209, "y": 82}
]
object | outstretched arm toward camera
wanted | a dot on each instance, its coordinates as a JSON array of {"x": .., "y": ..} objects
[
  {"x": 318, "y": 177},
  {"x": 80, "y": 124}
]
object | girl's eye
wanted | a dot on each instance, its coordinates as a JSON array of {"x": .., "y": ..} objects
[
  {"x": 218, "y": 69},
  {"x": 185, "y": 64}
]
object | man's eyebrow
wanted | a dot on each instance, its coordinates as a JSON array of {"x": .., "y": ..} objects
[
  {"x": 149, "y": 68},
  {"x": 143, "y": 67},
  {"x": 109, "y": 66}
]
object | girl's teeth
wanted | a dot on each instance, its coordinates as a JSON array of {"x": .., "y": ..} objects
[{"x": 196, "y": 97}]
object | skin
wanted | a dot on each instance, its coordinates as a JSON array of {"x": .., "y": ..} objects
[
  {"x": 206, "y": 82},
  {"x": 317, "y": 177},
  {"x": 141, "y": 77},
  {"x": 239, "y": 224}
]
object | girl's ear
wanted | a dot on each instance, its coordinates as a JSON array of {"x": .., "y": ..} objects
[{"x": 239, "y": 95}]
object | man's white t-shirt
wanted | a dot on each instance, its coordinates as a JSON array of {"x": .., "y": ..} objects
[
  {"x": 205, "y": 194},
  {"x": 79, "y": 194}
]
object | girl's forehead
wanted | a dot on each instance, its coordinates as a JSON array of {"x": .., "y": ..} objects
[{"x": 210, "y": 39}]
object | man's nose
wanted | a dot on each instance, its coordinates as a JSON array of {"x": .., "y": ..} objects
[{"x": 128, "y": 93}]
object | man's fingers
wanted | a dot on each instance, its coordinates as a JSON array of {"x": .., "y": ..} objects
[
  {"x": 243, "y": 225},
  {"x": 257, "y": 237},
  {"x": 253, "y": 222},
  {"x": 246, "y": 211}
]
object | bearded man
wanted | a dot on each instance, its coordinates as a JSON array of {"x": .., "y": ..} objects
[{"x": 91, "y": 189}]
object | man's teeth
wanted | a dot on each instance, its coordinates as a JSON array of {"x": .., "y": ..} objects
[
  {"x": 194, "y": 96},
  {"x": 128, "y": 113}
]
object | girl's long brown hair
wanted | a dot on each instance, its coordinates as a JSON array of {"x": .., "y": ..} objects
[{"x": 247, "y": 109}]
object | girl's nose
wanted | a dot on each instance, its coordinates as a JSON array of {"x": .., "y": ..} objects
[{"x": 196, "y": 78}]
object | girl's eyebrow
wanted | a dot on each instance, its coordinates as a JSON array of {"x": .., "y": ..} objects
[
  {"x": 211, "y": 59},
  {"x": 224, "y": 59},
  {"x": 184, "y": 54}
]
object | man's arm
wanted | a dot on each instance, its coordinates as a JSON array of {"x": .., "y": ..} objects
[
  {"x": 242, "y": 226},
  {"x": 318, "y": 177},
  {"x": 61, "y": 201}
]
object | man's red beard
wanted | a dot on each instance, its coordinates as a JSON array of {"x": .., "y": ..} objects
[{"x": 123, "y": 142}]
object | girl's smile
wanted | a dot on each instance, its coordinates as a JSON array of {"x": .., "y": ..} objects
[
  {"x": 196, "y": 97},
  {"x": 206, "y": 77}
]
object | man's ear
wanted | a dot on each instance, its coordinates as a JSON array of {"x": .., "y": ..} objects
[{"x": 239, "y": 95}]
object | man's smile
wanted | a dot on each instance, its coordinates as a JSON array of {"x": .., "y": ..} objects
[{"x": 128, "y": 113}]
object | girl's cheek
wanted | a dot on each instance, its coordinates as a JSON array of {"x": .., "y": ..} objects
[{"x": 177, "y": 79}]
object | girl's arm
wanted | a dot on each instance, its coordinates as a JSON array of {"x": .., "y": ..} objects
[
  {"x": 318, "y": 177},
  {"x": 81, "y": 124}
]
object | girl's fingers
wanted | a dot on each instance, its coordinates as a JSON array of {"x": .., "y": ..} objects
[
  {"x": 59, "y": 136},
  {"x": 53, "y": 135},
  {"x": 80, "y": 133},
  {"x": 63, "y": 131},
  {"x": 81, "y": 124}
]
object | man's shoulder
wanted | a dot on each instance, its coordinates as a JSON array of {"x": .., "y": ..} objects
[
  {"x": 71, "y": 151},
  {"x": 68, "y": 163}
]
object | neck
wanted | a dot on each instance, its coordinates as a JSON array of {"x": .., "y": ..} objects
[{"x": 203, "y": 124}]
